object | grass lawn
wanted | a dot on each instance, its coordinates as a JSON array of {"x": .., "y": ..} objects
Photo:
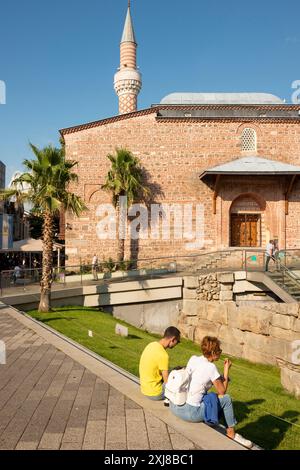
[{"x": 265, "y": 412}]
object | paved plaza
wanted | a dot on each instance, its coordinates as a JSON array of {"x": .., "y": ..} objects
[{"x": 54, "y": 396}]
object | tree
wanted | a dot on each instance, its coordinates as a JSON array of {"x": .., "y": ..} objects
[
  {"x": 46, "y": 181},
  {"x": 125, "y": 178},
  {"x": 36, "y": 224}
]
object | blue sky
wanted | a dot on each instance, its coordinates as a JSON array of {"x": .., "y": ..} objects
[{"x": 58, "y": 58}]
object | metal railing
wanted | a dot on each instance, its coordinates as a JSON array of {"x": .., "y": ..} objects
[
  {"x": 225, "y": 260},
  {"x": 25, "y": 279},
  {"x": 279, "y": 268}
]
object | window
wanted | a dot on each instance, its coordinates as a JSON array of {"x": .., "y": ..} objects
[{"x": 249, "y": 140}]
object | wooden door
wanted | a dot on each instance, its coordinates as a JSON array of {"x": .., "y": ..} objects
[
  {"x": 237, "y": 230},
  {"x": 252, "y": 229},
  {"x": 245, "y": 230}
]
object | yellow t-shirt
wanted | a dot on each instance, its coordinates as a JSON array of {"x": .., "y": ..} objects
[{"x": 153, "y": 360}]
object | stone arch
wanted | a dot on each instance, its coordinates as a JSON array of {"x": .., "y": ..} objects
[
  {"x": 250, "y": 124},
  {"x": 93, "y": 194},
  {"x": 247, "y": 217},
  {"x": 260, "y": 201}
]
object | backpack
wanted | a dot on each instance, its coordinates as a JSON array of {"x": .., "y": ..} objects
[{"x": 177, "y": 386}]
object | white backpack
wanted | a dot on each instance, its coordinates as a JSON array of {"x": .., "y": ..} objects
[{"x": 177, "y": 386}]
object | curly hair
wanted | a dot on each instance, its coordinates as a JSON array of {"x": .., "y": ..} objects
[{"x": 210, "y": 345}]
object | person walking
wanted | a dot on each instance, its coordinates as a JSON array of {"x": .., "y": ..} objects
[
  {"x": 276, "y": 253},
  {"x": 154, "y": 364},
  {"x": 17, "y": 273},
  {"x": 95, "y": 267},
  {"x": 269, "y": 253}
]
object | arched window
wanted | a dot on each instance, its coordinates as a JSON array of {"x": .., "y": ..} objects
[{"x": 249, "y": 140}]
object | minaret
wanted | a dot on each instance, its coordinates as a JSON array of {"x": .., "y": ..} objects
[{"x": 128, "y": 80}]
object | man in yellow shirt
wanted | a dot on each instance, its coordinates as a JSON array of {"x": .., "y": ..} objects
[{"x": 154, "y": 364}]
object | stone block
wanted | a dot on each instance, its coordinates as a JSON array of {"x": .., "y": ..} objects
[
  {"x": 183, "y": 328},
  {"x": 191, "y": 282},
  {"x": 189, "y": 293},
  {"x": 190, "y": 307},
  {"x": 296, "y": 326},
  {"x": 286, "y": 335},
  {"x": 250, "y": 319},
  {"x": 191, "y": 333},
  {"x": 232, "y": 335},
  {"x": 253, "y": 355},
  {"x": 193, "y": 320},
  {"x": 282, "y": 321},
  {"x": 226, "y": 295},
  {"x": 257, "y": 342},
  {"x": 232, "y": 339},
  {"x": 240, "y": 275},
  {"x": 280, "y": 349},
  {"x": 232, "y": 349},
  {"x": 226, "y": 287},
  {"x": 204, "y": 328},
  {"x": 226, "y": 278},
  {"x": 290, "y": 380},
  {"x": 202, "y": 309},
  {"x": 291, "y": 309},
  {"x": 245, "y": 286},
  {"x": 217, "y": 313}
]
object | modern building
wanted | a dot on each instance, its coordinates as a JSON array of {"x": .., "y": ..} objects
[
  {"x": 14, "y": 224},
  {"x": 2, "y": 175},
  {"x": 233, "y": 157}
]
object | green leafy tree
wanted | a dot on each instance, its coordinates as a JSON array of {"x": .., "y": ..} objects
[
  {"x": 45, "y": 185},
  {"x": 125, "y": 178}
]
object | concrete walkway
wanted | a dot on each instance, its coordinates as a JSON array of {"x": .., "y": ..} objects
[{"x": 56, "y": 396}]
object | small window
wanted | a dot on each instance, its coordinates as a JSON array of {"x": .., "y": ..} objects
[{"x": 249, "y": 140}]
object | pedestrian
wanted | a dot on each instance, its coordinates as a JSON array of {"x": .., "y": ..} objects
[
  {"x": 276, "y": 253},
  {"x": 206, "y": 407},
  {"x": 95, "y": 267},
  {"x": 154, "y": 364},
  {"x": 17, "y": 273},
  {"x": 269, "y": 253},
  {"x": 36, "y": 274}
]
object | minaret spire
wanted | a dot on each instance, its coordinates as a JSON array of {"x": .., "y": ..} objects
[{"x": 128, "y": 80}]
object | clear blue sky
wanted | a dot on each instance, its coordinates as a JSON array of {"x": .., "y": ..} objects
[{"x": 58, "y": 58}]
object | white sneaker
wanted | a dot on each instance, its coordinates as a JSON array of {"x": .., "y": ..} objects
[{"x": 244, "y": 442}]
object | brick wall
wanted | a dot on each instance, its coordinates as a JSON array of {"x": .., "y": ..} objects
[{"x": 174, "y": 154}]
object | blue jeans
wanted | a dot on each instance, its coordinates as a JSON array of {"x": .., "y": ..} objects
[{"x": 196, "y": 414}]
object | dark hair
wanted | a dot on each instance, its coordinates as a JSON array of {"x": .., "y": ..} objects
[
  {"x": 210, "y": 345},
  {"x": 171, "y": 332}
]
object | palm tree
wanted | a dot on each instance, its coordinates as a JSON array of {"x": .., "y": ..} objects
[
  {"x": 125, "y": 178},
  {"x": 46, "y": 181}
]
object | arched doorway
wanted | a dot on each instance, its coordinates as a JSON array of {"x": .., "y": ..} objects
[{"x": 246, "y": 222}]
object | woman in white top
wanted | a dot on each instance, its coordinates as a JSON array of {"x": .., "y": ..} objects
[{"x": 203, "y": 375}]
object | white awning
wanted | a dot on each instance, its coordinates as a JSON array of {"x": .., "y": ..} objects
[{"x": 32, "y": 245}]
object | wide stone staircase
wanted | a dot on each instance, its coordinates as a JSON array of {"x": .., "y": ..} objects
[{"x": 218, "y": 260}]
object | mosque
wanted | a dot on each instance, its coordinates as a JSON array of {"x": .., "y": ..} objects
[{"x": 235, "y": 155}]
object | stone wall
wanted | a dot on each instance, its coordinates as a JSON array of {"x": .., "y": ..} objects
[
  {"x": 268, "y": 333},
  {"x": 225, "y": 287}
]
